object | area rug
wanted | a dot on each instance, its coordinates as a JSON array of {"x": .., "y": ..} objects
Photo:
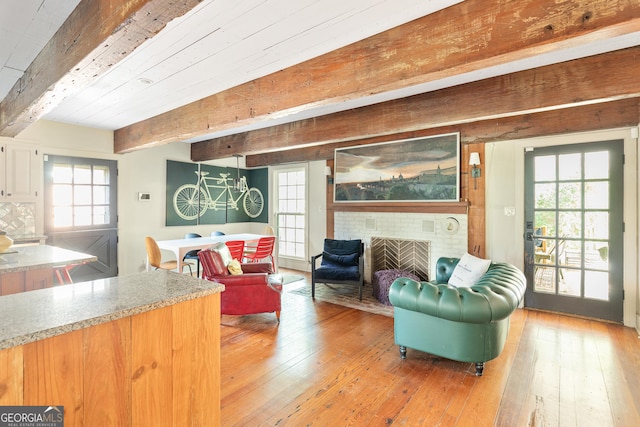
[
  {"x": 346, "y": 296},
  {"x": 288, "y": 279}
]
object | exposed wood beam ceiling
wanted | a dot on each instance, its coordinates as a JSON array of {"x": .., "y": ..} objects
[
  {"x": 473, "y": 37},
  {"x": 595, "y": 79},
  {"x": 97, "y": 35},
  {"x": 373, "y": 75}
]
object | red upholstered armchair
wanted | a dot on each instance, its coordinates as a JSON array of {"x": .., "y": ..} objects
[{"x": 247, "y": 293}]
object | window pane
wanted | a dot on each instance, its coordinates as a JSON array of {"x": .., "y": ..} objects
[
  {"x": 570, "y": 195},
  {"x": 82, "y": 215},
  {"x": 569, "y": 283},
  {"x": 62, "y": 216},
  {"x": 569, "y": 167},
  {"x": 570, "y": 254},
  {"x": 82, "y": 195},
  {"x": 596, "y": 165},
  {"x": 596, "y": 285},
  {"x": 545, "y": 168},
  {"x": 596, "y": 225},
  {"x": 100, "y": 175},
  {"x": 597, "y": 255},
  {"x": 62, "y": 174},
  {"x": 596, "y": 195},
  {"x": 570, "y": 224},
  {"x": 82, "y": 174},
  {"x": 545, "y": 279},
  {"x": 100, "y": 215},
  {"x": 100, "y": 195},
  {"x": 62, "y": 195},
  {"x": 545, "y": 196},
  {"x": 546, "y": 220}
]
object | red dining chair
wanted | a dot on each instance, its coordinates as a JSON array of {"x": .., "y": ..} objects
[
  {"x": 264, "y": 249},
  {"x": 236, "y": 247}
]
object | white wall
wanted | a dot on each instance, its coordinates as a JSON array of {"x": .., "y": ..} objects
[{"x": 504, "y": 165}]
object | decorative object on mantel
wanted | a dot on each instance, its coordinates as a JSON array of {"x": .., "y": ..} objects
[
  {"x": 5, "y": 241},
  {"x": 451, "y": 225},
  {"x": 422, "y": 169}
]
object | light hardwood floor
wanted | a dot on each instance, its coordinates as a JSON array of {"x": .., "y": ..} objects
[{"x": 327, "y": 365}]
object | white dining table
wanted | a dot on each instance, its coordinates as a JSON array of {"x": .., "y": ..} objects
[{"x": 180, "y": 247}]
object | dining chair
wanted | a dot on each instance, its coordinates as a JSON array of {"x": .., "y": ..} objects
[
  {"x": 155, "y": 257},
  {"x": 63, "y": 273},
  {"x": 236, "y": 247},
  {"x": 251, "y": 247},
  {"x": 264, "y": 249},
  {"x": 194, "y": 253}
]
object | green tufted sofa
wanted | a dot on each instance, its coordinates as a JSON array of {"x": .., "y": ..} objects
[{"x": 463, "y": 324}]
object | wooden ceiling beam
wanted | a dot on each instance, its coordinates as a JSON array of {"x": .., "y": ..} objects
[
  {"x": 590, "y": 80},
  {"x": 466, "y": 37},
  {"x": 606, "y": 115},
  {"x": 97, "y": 35}
]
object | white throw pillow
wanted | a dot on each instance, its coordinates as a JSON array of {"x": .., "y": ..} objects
[
  {"x": 224, "y": 252},
  {"x": 468, "y": 271}
]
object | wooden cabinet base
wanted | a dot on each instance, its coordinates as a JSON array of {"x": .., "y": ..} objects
[
  {"x": 159, "y": 368},
  {"x": 23, "y": 281}
]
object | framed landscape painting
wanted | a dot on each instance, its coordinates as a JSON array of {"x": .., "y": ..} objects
[{"x": 425, "y": 169}]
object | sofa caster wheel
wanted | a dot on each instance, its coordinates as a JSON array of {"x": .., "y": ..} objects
[
  {"x": 403, "y": 352},
  {"x": 479, "y": 369}
]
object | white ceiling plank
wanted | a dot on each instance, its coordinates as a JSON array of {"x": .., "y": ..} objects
[
  {"x": 26, "y": 26},
  {"x": 191, "y": 63}
]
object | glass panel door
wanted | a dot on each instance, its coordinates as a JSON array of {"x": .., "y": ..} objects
[{"x": 573, "y": 210}]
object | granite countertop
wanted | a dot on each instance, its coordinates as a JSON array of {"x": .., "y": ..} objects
[
  {"x": 42, "y": 256},
  {"x": 20, "y": 238},
  {"x": 31, "y": 316}
]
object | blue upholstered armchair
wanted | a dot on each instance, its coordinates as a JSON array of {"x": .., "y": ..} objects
[{"x": 342, "y": 263}]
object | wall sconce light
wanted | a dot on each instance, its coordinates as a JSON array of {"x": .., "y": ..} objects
[
  {"x": 327, "y": 172},
  {"x": 474, "y": 162}
]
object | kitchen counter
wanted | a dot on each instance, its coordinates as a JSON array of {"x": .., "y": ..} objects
[
  {"x": 138, "y": 350},
  {"x": 43, "y": 313},
  {"x": 25, "y": 258}
]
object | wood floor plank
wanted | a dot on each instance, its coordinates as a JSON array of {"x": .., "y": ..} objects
[{"x": 324, "y": 364}]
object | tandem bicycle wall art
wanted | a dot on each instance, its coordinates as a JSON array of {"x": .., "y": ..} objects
[
  {"x": 205, "y": 194},
  {"x": 425, "y": 169}
]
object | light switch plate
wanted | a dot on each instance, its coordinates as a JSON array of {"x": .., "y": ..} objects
[{"x": 509, "y": 211}]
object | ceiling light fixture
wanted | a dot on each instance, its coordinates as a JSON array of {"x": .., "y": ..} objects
[
  {"x": 145, "y": 81},
  {"x": 237, "y": 181}
]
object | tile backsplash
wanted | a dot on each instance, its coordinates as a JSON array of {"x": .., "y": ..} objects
[{"x": 18, "y": 218}]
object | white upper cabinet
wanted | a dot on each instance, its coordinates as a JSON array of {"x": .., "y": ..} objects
[{"x": 19, "y": 171}]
